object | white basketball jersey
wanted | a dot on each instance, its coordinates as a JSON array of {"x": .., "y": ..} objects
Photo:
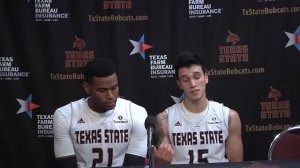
[
  {"x": 199, "y": 138},
  {"x": 101, "y": 140}
]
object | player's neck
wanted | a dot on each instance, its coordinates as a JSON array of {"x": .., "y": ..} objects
[{"x": 196, "y": 106}]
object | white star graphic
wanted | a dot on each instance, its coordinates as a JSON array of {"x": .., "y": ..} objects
[{"x": 292, "y": 40}]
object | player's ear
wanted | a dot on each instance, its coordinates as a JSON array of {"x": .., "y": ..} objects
[
  {"x": 206, "y": 77},
  {"x": 178, "y": 83},
  {"x": 86, "y": 87}
]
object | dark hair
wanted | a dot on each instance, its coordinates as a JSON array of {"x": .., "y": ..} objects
[
  {"x": 186, "y": 59},
  {"x": 98, "y": 67}
]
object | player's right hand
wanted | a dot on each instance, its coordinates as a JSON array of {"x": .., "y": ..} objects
[{"x": 164, "y": 153}]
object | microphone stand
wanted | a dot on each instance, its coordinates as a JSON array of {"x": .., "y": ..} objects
[
  {"x": 150, "y": 126},
  {"x": 151, "y": 157},
  {"x": 150, "y": 151}
]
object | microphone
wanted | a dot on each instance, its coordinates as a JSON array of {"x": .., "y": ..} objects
[{"x": 150, "y": 123}]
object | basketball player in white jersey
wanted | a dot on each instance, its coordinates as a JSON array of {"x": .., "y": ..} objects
[
  {"x": 102, "y": 130},
  {"x": 197, "y": 130}
]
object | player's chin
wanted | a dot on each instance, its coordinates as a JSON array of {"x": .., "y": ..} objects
[
  {"x": 195, "y": 96},
  {"x": 110, "y": 105}
]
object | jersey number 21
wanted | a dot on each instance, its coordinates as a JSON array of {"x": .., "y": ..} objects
[{"x": 100, "y": 156}]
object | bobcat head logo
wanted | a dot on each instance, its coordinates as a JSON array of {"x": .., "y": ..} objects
[
  {"x": 79, "y": 43},
  {"x": 274, "y": 94},
  {"x": 232, "y": 38}
]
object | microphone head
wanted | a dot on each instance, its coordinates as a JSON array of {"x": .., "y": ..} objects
[{"x": 150, "y": 122}]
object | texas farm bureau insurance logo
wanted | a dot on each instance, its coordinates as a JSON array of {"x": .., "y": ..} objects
[
  {"x": 10, "y": 72},
  {"x": 45, "y": 11},
  {"x": 74, "y": 59},
  {"x": 44, "y": 122},
  {"x": 158, "y": 63},
  {"x": 233, "y": 52},
  {"x": 202, "y": 9}
]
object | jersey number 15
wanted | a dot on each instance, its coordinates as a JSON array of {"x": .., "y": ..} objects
[{"x": 201, "y": 152}]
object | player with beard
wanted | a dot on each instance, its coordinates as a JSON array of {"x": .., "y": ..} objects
[{"x": 102, "y": 130}]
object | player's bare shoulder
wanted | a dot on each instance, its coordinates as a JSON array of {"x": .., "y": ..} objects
[{"x": 234, "y": 120}]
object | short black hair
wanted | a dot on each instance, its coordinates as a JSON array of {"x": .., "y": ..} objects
[
  {"x": 186, "y": 59},
  {"x": 98, "y": 67}
]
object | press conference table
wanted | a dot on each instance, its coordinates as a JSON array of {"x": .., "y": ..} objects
[{"x": 244, "y": 164}]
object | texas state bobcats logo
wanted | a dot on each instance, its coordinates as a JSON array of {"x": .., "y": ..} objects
[
  {"x": 79, "y": 43},
  {"x": 232, "y": 38},
  {"x": 274, "y": 94}
]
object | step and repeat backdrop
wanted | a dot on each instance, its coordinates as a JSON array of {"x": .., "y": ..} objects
[{"x": 251, "y": 49}]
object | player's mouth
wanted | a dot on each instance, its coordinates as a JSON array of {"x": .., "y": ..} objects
[{"x": 195, "y": 91}]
